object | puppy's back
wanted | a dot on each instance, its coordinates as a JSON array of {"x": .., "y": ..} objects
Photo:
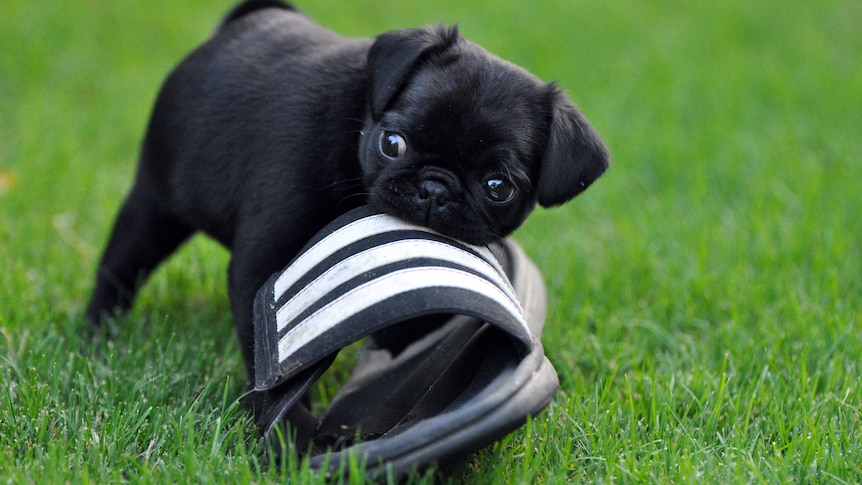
[
  {"x": 242, "y": 109},
  {"x": 254, "y": 5}
]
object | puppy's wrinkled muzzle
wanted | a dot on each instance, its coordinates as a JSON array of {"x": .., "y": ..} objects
[
  {"x": 433, "y": 191},
  {"x": 436, "y": 187}
]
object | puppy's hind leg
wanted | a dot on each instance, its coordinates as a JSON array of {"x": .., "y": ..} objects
[{"x": 144, "y": 235}]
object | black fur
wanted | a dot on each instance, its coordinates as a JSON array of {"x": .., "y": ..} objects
[
  {"x": 250, "y": 6},
  {"x": 273, "y": 127}
]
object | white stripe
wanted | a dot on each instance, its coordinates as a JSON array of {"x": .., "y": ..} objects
[
  {"x": 349, "y": 234},
  {"x": 388, "y": 286},
  {"x": 377, "y": 256}
]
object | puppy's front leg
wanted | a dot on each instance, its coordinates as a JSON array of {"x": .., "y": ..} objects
[{"x": 253, "y": 260}]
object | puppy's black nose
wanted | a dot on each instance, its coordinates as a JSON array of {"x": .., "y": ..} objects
[{"x": 433, "y": 190}]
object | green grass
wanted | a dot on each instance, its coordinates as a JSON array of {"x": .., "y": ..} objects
[{"x": 704, "y": 295}]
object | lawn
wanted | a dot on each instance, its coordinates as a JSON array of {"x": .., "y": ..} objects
[{"x": 704, "y": 296}]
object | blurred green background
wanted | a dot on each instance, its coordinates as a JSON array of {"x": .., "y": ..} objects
[{"x": 704, "y": 294}]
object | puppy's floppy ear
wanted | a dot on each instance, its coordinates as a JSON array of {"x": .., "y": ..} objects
[
  {"x": 575, "y": 155},
  {"x": 395, "y": 54}
]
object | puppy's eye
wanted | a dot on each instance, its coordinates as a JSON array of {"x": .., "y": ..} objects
[
  {"x": 392, "y": 145},
  {"x": 498, "y": 189}
]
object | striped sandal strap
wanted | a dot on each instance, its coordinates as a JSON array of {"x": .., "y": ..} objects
[{"x": 371, "y": 272}]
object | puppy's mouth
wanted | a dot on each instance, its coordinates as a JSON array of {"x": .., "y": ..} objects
[{"x": 433, "y": 200}]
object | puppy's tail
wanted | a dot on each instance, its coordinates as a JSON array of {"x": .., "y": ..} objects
[{"x": 250, "y": 6}]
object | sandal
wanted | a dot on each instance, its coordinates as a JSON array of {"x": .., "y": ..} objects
[{"x": 451, "y": 360}]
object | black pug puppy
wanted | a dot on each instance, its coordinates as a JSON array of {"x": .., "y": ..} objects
[{"x": 275, "y": 126}]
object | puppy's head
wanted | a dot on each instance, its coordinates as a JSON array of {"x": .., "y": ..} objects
[{"x": 465, "y": 143}]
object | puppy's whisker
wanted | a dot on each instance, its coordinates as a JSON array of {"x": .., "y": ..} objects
[
  {"x": 358, "y": 120},
  {"x": 346, "y": 198},
  {"x": 348, "y": 182}
]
